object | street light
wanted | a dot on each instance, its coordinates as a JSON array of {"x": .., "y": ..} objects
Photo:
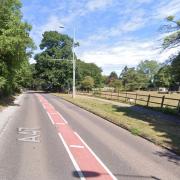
[{"x": 74, "y": 65}]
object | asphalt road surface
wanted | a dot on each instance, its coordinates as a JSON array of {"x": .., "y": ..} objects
[{"x": 47, "y": 138}]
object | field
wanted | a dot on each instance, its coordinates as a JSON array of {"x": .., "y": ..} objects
[{"x": 166, "y": 102}]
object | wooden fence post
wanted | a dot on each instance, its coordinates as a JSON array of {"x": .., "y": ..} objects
[
  {"x": 148, "y": 100},
  {"x": 162, "y": 102},
  {"x": 111, "y": 94},
  {"x": 118, "y": 95},
  {"x": 178, "y": 107},
  {"x": 136, "y": 98},
  {"x": 126, "y": 97}
]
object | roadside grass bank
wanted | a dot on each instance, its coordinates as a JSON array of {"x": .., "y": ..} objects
[
  {"x": 161, "y": 132},
  {"x": 6, "y": 101}
]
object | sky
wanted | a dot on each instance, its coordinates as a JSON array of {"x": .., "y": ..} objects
[{"x": 111, "y": 33}]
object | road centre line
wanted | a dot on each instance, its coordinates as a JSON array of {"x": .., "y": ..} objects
[
  {"x": 97, "y": 158},
  {"x": 72, "y": 158}
]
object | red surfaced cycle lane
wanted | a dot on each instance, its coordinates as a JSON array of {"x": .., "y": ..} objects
[{"x": 85, "y": 161}]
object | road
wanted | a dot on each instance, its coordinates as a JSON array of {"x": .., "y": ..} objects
[{"x": 47, "y": 138}]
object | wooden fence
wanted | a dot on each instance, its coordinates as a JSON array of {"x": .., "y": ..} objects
[{"x": 139, "y": 99}]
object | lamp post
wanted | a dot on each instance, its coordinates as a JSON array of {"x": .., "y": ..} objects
[{"x": 74, "y": 65}]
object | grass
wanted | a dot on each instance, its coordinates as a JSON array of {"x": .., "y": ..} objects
[{"x": 153, "y": 128}]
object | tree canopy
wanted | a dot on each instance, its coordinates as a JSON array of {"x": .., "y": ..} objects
[
  {"x": 54, "y": 64},
  {"x": 15, "y": 46},
  {"x": 174, "y": 28}
]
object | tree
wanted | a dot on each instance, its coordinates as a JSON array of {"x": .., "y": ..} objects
[
  {"x": 15, "y": 44},
  {"x": 55, "y": 74},
  {"x": 116, "y": 84},
  {"x": 89, "y": 69},
  {"x": 163, "y": 78},
  {"x": 149, "y": 68},
  {"x": 87, "y": 83},
  {"x": 173, "y": 27},
  {"x": 175, "y": 68},
  {"x": 132, "y": 79},
  {"x": 112, "y": 77},
  {"x": 57, "y": 46}
]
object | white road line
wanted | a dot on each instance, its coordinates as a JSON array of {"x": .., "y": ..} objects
[
  {"x": 62, "y": 118},
  {"x": 50, "y": 117},
  {"x": 72, "y": 158},
  {"x": 97, "y": 158},
  {"x": 60, "y": 123},
  {"x": 53, "y": 113},
  {"x": 77, "y": 146}
]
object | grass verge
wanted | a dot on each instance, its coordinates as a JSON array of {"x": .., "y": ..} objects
[{"x": 159, "y": 131}]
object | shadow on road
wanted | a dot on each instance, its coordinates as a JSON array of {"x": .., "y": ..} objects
[
  {"x": 8, "y": 101},
  {"x": 86, "y": 174},
  {"x": 92, "y": 174}
]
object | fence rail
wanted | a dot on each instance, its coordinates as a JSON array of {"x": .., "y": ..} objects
[{"x": 139, "y": 99}]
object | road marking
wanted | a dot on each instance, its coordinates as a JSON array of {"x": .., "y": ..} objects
[
  {"x": 84, "y": 159},
  {"x": 97, "y": 158},
  {"x": 60, "y": 123},
  {"x": 34, "y": 139},
  {"x": 72, "y": 158},
  {"x": 77, "y": 146},
  {"x": 62, "y": 118},
  {"x": 29, "y": 131},
  {"x": 50, "y": 117},
  {"x": 33, "y": 134}
]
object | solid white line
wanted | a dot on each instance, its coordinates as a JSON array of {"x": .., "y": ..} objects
[
  {"x": 97, "y": 158},
  {"x": 72, "y": 158},
  {"x": 50, "y": 118},
  {"x": 77, "y": 146},
  {"x": 62, "y": 118}
]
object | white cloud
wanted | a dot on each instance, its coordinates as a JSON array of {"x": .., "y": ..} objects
[
  {"x": 166, "y": 8},
  {"x": 130, "y": 53},
  {"x": 98, "y": 4}
]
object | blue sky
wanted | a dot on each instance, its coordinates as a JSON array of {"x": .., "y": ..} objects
[{"x": 112, "y": 33}]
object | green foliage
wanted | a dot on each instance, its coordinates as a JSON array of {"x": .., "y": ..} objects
[
  {"x": 89, "y": 69},
  {"x": 163, "y": 77},
  {"x": 149, "y": 68},
  {"x": 15, "y": 45},
  {"x": 111, "y": 78},
  {"x": 52, "y": 74},
  {"x": 175, "y": 68},
  {"x": 133, "y": 79},
  {"x": 117, "y": 84},
  {"x": 56, "y": 45},
  {"x": 174, "y": 38},
  {"x": 87, "y": 83}
]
